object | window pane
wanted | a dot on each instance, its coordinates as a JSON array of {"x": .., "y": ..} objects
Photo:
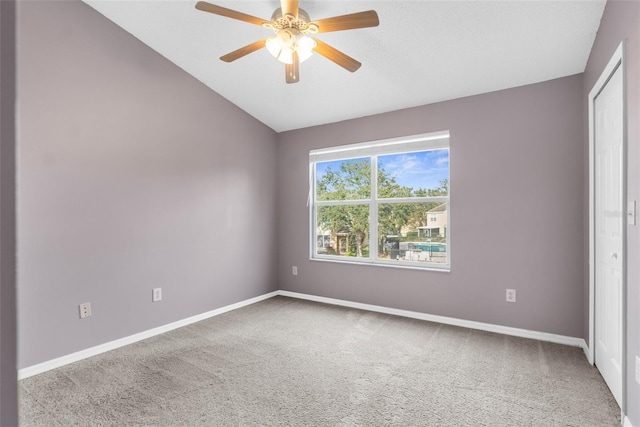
[
  {"x": 343, "y": 231},
  {"x": 343, "y": 179},
  {"x": 413, "y": 232},
  {"x": 416, "y": 174}
]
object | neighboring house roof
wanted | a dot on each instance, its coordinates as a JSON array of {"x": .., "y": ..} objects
[{"x": 439, "y": 208}]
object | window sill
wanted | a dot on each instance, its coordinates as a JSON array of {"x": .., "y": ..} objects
[{"x": 446, "y": 268}]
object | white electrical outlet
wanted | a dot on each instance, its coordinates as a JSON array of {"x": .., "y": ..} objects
[
  {"x": 511, "y": 295},
  {"x": 156, "y": 295},
  {"x": 638, "y": 369},
  {"x": 294, "y": 270},
  {"x": 85, "y": 310}
]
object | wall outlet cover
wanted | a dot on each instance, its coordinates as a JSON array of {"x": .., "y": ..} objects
[
  {"x": 85, "y": 310},
  {"x": 638, "y": 369},
  {"x": 511, "y": 295},
  {"x": 294, "y": 270},
  {"x": 156, "y": 295}
]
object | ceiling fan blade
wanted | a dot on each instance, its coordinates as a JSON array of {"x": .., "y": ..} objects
[
  {"x": 333, "y": 54},
  {"x": 229, "y": 13},
  {"x": 293, "y": 70},
  {"x": 348, "y": 22},
  {"x": 243, "y": 51},
  {"x": 289, "y": 7}
]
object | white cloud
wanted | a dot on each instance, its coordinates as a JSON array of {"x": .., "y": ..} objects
[
  {"x": 440, "y": 161},
  {"x": 418, "y": 170}
]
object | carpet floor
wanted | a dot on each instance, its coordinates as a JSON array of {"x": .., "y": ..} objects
[{"x": 291, "y": 362}]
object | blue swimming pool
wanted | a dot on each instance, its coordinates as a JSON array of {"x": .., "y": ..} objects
[{"x": 427, "y": 246}]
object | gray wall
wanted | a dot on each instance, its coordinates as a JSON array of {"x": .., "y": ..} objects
[
  {"x": 621, "y": 21},
  {"x": 8, "y": 404},
  {"x": 132, "y": 175},
  {"x": 517, "y": 186}
]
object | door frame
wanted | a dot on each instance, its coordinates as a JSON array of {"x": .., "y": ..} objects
[{"x": 616, "y": 61}]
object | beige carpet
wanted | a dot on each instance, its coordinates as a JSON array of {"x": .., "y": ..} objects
[{"x": 296, "y": 363}]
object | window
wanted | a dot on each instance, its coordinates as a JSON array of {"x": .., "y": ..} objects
[{"x": 382, "y": 202}]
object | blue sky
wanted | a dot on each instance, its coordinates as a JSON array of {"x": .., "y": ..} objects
[{"x": 423, "y": 169}]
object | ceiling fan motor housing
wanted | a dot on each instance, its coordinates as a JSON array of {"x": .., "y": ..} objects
[{"x": 299, "y": 23}]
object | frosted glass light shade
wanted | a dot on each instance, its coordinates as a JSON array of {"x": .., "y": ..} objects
[
  {"x": 305, "y": 47},
  {"x": 285, "y": 42}
]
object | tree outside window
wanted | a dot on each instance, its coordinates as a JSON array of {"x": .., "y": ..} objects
[{"x": 383, "y": 206}]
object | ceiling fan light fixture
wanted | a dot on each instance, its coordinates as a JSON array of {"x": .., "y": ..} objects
[
  {"x": 292, "y": 44},
  {"x": 286, "y": 42},
  {"x": 304, "y": 47}
]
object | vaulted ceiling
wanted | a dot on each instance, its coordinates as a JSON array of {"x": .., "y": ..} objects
[{"x": 422, "y": 52}]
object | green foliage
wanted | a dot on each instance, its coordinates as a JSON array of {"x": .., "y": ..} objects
[
  {"x": 388, "y": 187},
  {"x": 442, "y": 190},
  {"x": 353, "y": 182},
  {"x": 350, "y": 219}
]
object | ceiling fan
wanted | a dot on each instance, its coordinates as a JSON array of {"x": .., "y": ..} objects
[{"x": 292, "y": 43}]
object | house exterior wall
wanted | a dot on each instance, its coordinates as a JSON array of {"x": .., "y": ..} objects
[{"x": 438, "y": 220}]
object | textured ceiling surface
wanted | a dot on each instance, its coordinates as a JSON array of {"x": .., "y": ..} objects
[{"x": 422, "y": 52}]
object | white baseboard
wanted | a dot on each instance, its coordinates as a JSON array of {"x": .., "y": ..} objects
[
  {"x": 506, "y": 330},
  {"x": 627, "y": 422},
  {"x": 112, "y": 345}
]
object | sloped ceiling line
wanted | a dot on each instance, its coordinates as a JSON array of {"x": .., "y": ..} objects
[{"x": 422, "y": 52}]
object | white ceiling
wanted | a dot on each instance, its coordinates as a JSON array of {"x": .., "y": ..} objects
[{"x": 422, "y": 52}]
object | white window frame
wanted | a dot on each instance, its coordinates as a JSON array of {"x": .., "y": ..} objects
[{"x": 373, "y": 149}]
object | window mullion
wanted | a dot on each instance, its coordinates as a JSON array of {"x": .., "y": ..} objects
[
  {"x": 373, "y": 213},
  {"x": 342, "y": 202},
  {"x": 438, "y": 199},
  {"x": 421, "y": 229}
]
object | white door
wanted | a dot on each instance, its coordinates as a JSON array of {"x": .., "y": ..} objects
[{"x": 609, "y": 228}]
